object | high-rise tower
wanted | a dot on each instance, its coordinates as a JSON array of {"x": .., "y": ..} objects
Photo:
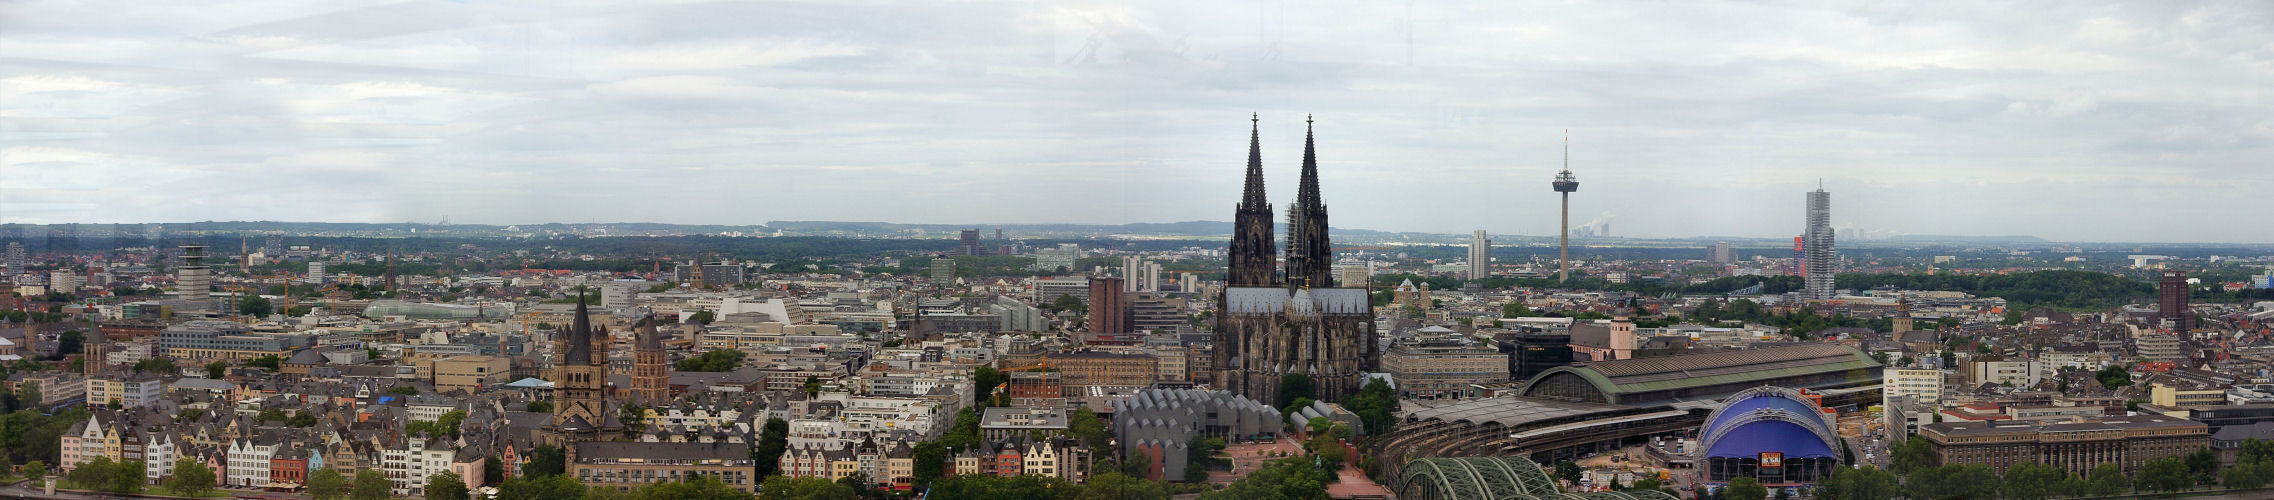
[
  {"x": 2171, "y": 293},
  {"x": 1254, "y": 259},
  {"x": 1818, "y": 263},
  {"x": 15, "y": 259},
  {"x": 1565, "y": 184},
  {"x": 1480, "y": 256},
  {"x": 193, "y": 281},
  {"x": 1310, "y": 255}
]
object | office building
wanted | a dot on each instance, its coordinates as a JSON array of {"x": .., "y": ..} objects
[
  {"x": 16, "y": 259},
  {"x": 1480, "y": 255},
  {"x": 1047, "y": 290},
  {"x": 2129, "y": 441},
  {"x": 2173, "y": 310},
  {"x": 626, "y": 466},
  {"x": 943, "y": 271},
  {"x": 471, "y": 373},
  {"x": 205, "y": 341},
  {"x": 193, "y": 281},
  {"x": 1443, "y": 368},
  {"x": 1722, "y": 254},
  {"x": 1109, "y": 306},
  {"x": 1919, "y": 385},
  {"x": 968, "y": 244},
  {"x": 1818, "y": 263},
  {"x": 1085, "y": 369},
  {"x": 316, "y": 273}
]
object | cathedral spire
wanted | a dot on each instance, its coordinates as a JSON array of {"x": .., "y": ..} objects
[
  {"x": 1310, "y": 258},
  {"x": 1307, "y": 195},
  {"x": 1252, "y": 196},
  {"x": 1253, "y": 254}
]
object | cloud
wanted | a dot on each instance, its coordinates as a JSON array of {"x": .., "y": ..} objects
[{"x": 2096, "y": 121}]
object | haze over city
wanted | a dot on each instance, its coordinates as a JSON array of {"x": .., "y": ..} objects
[{"x": 2107, "y": 121}]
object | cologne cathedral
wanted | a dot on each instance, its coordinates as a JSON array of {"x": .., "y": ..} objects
[{"x": 1270, "y": 325}]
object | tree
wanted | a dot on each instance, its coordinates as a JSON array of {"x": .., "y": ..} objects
[
  {"x": 694, "y": 487},
  {"x": 633, "y": 416},
  {"x": 1912, "y": 455},
  {"x": 545, "y": 460},
  {"x": 2203, "y": 464},
  {"x": 69, "y": 343},
  {"x": 271, "y": 362},
  {"x": 270, "y": 415},
  {"x": 1569, "y": 471},
  {"x": 2114, "y": 376},
  {"x": 553, "y": 487},
  {"x": 1292, "y": 387},
  {"x": 539, "y": 406},
  {"x": 216, "y": 370},
  {"x": 931, "y": 463},
  {"x": 2165, "y": 475},
  {"x": 493, "y": 470},
  {"x": 809, "y": 488},
  {"x": 403, "y": 390},
  {"x": 371, "y": 485},
  {"x": 1744, "y": 488},
  {"x": 1865, "y": 483},
  {"x": 157, "y": 365},
  {"x": 35, "y": 469},
  {"x": 2033, "y": 481},
  {"x": 2107, "y": 479},
  {"x": 1068, "y": 303},
  {"x": 2254, "y": 450},
  {"x": 1137, "y": 464},
  {"x": 255, "y": 306},
  {"x": 1954, "y": 481},
  {"x": 773, "y": 440},
  {"x": 1517, "y": 310},
  {"x": 190, "y": 478},
  {"x": 716, "y": 360},
  {"x": 445, "y": 486},
  {"x": 985, "y": 379},
  {"x": 860, "y": 483},
  {"x": 1086, "y": 427},
  {"x": 1200, "y": 456},
  {"x": 813, "y": 387},
  {"x": 1376, "y": 406},
  {"x": 1287, "y": 478},
  {"x": 301, "y": 419},
  {"x": 2248, "y": 475},
  {"x": 703, "y": 317},
  {"x": 102, "y": 474}
]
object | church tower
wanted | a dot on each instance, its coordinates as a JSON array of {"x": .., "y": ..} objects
[
  {"x": 1310, "y": 258},
  {"x": 1254, "y": 257},
  {"x": 580, "y": 408},
  {"x": 651, "y": 383}
]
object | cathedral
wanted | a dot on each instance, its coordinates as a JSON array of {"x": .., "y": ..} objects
[
  {"x": 581, "y": 410},
  {"x": 1270, "y": 325}
]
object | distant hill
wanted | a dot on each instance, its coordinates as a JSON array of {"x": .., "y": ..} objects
[{"x": 1944, "y": 238}]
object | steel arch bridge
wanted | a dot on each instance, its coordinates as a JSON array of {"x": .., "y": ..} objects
[{"x": 1494, "y": 478}]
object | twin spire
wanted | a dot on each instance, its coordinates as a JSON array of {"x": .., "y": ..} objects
[
  {"x": 1253, "y": 252},
  {"x": 1306, "y": 192}
]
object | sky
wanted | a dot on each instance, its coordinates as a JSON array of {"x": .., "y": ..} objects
[{"x": 2072, "y": 121}]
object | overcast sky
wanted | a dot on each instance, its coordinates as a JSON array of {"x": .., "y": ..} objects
[{"x": 2129, "y": 121}]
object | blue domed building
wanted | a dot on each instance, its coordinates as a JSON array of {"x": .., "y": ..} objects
[{"x": 1777, "y": 435}]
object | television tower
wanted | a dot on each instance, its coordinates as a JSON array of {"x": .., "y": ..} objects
[{"x": 1565, "y": 184}]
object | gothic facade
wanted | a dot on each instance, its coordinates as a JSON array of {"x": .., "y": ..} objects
[{"x": 1268, "y": 327}]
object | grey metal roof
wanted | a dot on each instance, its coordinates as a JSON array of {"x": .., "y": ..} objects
[{"x": 1267, "y": 300}]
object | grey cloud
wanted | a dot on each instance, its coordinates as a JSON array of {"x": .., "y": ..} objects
[{"x": 2082, "y": 121}]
